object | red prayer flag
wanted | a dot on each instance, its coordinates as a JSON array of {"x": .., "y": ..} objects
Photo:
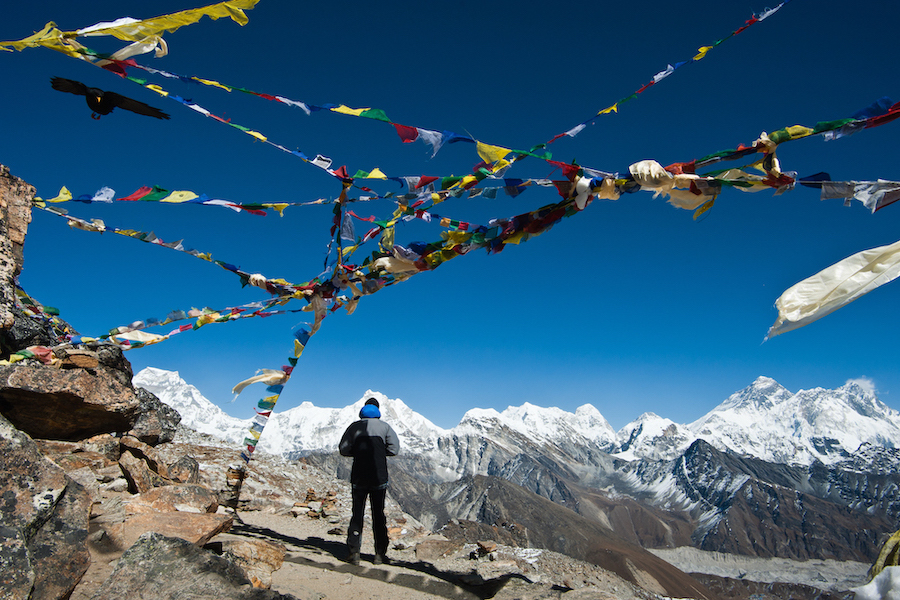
[
  {"x": 425, "y": 180},
  {"x": 342, "y": 173},
  {"x": 407, "y": 134},
  {"x": 890, "y": 115},
  {"x": 137, "y": 195}
]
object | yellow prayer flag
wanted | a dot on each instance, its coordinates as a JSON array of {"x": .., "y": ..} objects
[
  {"x": 455, "y": 238},
  {"x": 376, "y": 173},
  {"x": 491, "y": 154},
  {"x": 346, "y": 110},
  {"x": 500, "y": 165},
  {"x": 612, "y": 109},
  {"x": 179, "y": 196},
  {"x": 798, "y": 131},
  {"x": 257, "y": 135},
  {"x": 136, "y": 31},
  {"x": 64, "y": 195},
  {"x": 279, "y": 206},
  {"x": 212, "y": 83},
  {"x": 701, "y": 52},
  {"x": 466, "y": 181},
  {"x": 206, "y": 319},
  {"x": 49, "y": 34},
  {"x": 157, "y": 89},
  {"x": 515, "y": 238},
  {"x": 706, "y": 206}
]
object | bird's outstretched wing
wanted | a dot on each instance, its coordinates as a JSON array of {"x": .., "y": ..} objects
[
  {"x": 135, "y": 106},
  {"x": 103, "y": 102},
  {"x": 68, "y": 85}
]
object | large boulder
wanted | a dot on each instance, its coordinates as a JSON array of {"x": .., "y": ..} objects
[
  {"x": 174, "y": 569},
  {"x": 196, "y": 528},
  {"x": 43, "y": 522},
  {"x": 75, "y": 404},
  {"x": 179, "y": 497}
]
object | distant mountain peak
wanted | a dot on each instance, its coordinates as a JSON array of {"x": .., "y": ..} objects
[{"x": 763, "y": 394}]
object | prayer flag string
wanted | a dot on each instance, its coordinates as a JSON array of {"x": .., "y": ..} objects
[
  {"x": 158, "y": 194},
  {"x": 670, "y": 68}
]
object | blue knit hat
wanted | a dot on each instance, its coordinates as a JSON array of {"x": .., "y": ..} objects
[{"x": 369, "y": 411}]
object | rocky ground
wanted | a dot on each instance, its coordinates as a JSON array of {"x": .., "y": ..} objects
[{"x": 304, "y": 512}]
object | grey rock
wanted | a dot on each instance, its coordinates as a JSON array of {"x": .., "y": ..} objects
[
  {"x": 25, "y": 331},
  {"x": 156, "y": 422},
  {"x": 174, "y": 569},
  {"x": 43, "y": 521},
  {"x": 59, "y": 548},
  {"x": 16, "y": 572}
]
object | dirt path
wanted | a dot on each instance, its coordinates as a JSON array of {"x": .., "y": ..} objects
[{"x": 315, "y": 568}]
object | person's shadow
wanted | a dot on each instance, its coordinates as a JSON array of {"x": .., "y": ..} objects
[{"x": 454, "y": 585}]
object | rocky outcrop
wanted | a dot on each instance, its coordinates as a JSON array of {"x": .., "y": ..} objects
[
  {"x": 55, "y": 389},
  {"x": 43, "y": 522},
  {"x": 65, "y": 502},
  {"x": 17, "y": 329},
  {"x": 156, "y": 422},
  {"x": 157, "y": 566},
  {"x": 15, "y": 215},
  {"x": 66, "y": 496},
  {"x": 72, "y": 404}
]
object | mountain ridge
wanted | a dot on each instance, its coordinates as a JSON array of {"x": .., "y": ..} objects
[
  {"x": 655, "y": 482},
  {"x": 827, "y": 426}
]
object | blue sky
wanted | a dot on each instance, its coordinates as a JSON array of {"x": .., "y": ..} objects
[{"x": 631, "y": 305}]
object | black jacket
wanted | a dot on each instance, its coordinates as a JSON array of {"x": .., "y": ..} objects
[{"x": 369, "y": 442}]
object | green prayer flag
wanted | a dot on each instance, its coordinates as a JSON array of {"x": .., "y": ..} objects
[{"x": 375, "y": 113}]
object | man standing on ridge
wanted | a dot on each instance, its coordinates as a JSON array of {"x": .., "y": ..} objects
[{"x": 369, "y": 441}]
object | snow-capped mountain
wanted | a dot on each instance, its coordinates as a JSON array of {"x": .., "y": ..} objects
[
  {"x": 302, "y": 429},
  {"x": 767, "y": 421},
  {"x": 196, "y": 411},
  {"x": 542, "y": 425},
  {"x": 652, "y": 436},
  {"x": 764, "y": 421}
]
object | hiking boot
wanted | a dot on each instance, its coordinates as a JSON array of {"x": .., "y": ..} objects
[
  {"x": 353, "y": 558},
  {"x": 381, "y": 559}
]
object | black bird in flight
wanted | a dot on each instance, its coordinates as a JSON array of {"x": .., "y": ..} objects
[{"x": 101, "y": 102}]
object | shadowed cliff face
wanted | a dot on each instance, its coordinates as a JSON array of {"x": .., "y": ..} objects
[{"x": 15, "y": 215}]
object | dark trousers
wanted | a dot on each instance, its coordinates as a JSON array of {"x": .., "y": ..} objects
[{"x": 379, "y": 522}]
